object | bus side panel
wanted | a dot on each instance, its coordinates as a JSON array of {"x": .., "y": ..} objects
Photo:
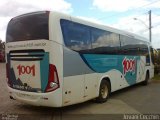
[
  {"x": 56, "y": 58},
  {"x": 91, "y": 88},
  {"x": 120, "y": 80},
  {"x": 116, "y": 78},
  {"x": 74, "y": 77},
  {"x": 73, "y": 91},
  {"x": 151, "y": 71},
  {"x": 141, "y": 72}
]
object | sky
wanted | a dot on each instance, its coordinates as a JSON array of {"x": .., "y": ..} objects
[{"x": 119, "y": 14}]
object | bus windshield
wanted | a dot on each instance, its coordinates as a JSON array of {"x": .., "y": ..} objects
[{"x": 31, "y": 26}]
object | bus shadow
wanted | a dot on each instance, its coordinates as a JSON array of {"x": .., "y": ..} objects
[
  {"x": 73, "y": 109},
  {"x": 51, "y": 110},
  {"x": 126, "y": 90}
]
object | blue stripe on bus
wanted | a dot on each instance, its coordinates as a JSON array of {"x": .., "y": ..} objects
[
  {"x": 104, "y": 63},
  {"x": 44, "y": 71}
]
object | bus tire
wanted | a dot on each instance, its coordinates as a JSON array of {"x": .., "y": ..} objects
[
  {"x": 104, "y": 91},
  {"x": 145, "y": 82}
]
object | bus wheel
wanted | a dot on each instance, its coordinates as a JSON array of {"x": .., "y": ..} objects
[
  {"x": 104, "y": 92},
  {"x": 146, "y": 79}
]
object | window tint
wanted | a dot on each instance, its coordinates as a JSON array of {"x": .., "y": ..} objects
[
  {"x": 92, "y": 40},
  {"x": 144, "y": 50},
  {"x": 76, "y": 36},
  {"x": 28, "y": 27},
  {"x": 98, "y": 38},
  {"x": 104, "y": 41},
  {"x": 131, "y": 46}
]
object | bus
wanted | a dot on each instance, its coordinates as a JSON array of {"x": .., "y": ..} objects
[{"x": 54, "y": 59}]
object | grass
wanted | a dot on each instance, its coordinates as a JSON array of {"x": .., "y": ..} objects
[{"x": 156, "y": 77}]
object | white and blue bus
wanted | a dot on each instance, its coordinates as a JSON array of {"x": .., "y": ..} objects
[{"x": 53, "y": 59}]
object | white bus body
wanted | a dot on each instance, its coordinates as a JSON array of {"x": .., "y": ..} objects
[{"x": 60, "y": 68}]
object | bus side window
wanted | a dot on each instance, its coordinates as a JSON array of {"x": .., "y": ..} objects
[
  {"x": 104, "y": 42},
  {"x": 144, "y": 51},
  {"x": 76, "y": 36},
  {"x": 129, "y": 46}
]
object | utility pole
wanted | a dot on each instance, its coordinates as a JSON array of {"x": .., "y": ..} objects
[{"x": 150, "y": 26}]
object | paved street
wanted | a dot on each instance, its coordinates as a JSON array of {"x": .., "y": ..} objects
[{"x": 136, "y": 99}]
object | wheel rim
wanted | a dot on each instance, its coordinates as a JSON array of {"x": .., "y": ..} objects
[{"x": 104, "y": 91}]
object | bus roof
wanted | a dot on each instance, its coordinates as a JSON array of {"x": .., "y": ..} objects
[{"x": 88, "y": 23}]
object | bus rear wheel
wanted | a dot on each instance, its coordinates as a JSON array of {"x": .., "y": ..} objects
[{"x": 104, "y": 92}]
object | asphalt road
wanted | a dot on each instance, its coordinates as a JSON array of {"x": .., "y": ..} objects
[{"x": 137, "y": 99}]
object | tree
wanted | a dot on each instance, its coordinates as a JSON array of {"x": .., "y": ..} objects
[
  {"x": 157, "y": 62},
  {"x": 2, "y": 45}
]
